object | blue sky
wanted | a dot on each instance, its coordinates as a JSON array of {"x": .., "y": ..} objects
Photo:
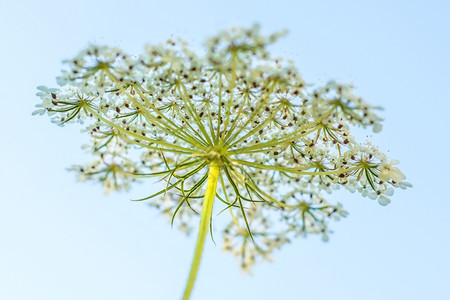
[{"x": 60, "y": 239}]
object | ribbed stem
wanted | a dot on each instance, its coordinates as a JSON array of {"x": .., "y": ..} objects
[{"x": 213, "y": 177}]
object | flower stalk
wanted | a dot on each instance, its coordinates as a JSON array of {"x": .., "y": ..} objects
[{"x": 205, "y": 224}]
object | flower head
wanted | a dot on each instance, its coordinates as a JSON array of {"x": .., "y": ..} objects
[{"x": 280, "y": 144}]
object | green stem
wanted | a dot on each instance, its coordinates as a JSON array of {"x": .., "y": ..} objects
[{"x": 213, "y": 177}]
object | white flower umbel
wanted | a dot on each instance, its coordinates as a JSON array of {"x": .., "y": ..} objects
[{"x": 232, "y": 125}]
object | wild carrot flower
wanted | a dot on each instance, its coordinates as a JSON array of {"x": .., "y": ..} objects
[{"x": 233, "y": 128}]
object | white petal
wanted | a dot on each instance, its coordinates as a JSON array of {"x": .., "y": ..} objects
[
  {"x": 42, "y": 88},
  {"x": 373, "y": 196},
  {"x": 377, "y": 128},
  {"x": 389, "y": 191},
  {"x": 383, "y": 200},
  {"x": 38, "y": 112},
  {"x": 396, "y": 175}
]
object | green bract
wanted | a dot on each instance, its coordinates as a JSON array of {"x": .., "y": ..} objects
[{"x": 233, "y": 126}]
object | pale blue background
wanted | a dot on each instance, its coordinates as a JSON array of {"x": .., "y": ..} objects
[{"x": 60, "y": 239}]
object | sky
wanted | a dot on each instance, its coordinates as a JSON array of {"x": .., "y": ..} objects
[{"x": 61, "y": 239}]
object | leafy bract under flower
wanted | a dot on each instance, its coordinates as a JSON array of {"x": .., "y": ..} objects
[{"x": 281, "y": 144}]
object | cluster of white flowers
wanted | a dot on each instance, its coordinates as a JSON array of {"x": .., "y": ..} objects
[{"x": 279, "y": 142}]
